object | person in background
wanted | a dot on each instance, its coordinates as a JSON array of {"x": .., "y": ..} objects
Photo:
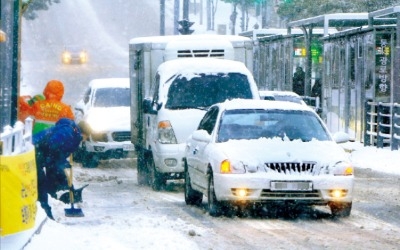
[
  {"x": 53, "y": 146},
  {"x": 317, "y": 88},
  {"x": 25, "y": 104},
  {"x": 298, "y": 81},
  {"x": 47, "y": 112}
]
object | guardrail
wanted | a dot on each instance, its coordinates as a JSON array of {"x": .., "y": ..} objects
[
  {"x": 382, "y": 125},
  {"x": 18, "y": 139}
]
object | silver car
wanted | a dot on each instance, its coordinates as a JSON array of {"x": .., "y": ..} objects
[{"x": 253, "y": 152}]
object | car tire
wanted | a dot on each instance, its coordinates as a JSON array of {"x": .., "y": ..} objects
[
  {"x": 214, "y": 206},
  {"x": 90, "y": 160},
  {"x": 192, "y": 197},
  {"x": 157, "y": 181},
  {"x": 142, "y": 172},
  {"x": 340, "y": 209}
]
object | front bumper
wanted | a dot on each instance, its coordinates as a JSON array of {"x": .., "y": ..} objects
[
  {"x": 258, "y": 188},
  {"x": 109, "y": 149},
  {"x": 168, "y": 158}
]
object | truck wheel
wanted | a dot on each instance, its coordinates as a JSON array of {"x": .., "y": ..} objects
[
  {"x": 340, "y": 209},
  {"x": 142, "y": 173},
  {"x": 214, "y": 206},
  {"x": 192, "y": 197},
  {"x": 156, "y": 179},
  {"x": 90, "y": 160}
]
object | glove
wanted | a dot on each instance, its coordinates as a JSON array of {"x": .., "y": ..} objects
[{"x": 77, "y": 195}]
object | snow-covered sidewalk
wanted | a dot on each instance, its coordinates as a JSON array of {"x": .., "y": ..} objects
[{"x": 20, "y": 240}]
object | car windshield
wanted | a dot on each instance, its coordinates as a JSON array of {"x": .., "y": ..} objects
[
  {"x": 111, "y": 97},
  {"x": 204, "y": 90},
  {"x": 255, "y": 124}
]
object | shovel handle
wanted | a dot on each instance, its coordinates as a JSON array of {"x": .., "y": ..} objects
[{"x": 69, "y": 178}]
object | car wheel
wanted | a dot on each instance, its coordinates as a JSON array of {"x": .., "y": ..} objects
[
  {"x": 192, "y": 197},
  {"x": 340, "y": 209},
  {"x": 156, "y": 179},
  {"x": 214, "y": 206},
  {"x": 142, "y": 172},
  {"x": 90, "y": 160}
]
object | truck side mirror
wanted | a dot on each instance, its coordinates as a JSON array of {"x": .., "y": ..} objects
[{"x": 148, "y": 107}]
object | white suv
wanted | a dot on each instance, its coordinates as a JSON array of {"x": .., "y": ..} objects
[{"x": 104, "y": 115}]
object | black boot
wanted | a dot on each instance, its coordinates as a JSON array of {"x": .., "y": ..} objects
[{"x": 47, "y": 209}]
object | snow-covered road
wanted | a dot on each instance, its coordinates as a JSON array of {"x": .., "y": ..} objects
[{"x": 119, "y": 214}]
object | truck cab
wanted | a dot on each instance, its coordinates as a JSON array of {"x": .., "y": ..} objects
[{"x": 173, "y": 82}]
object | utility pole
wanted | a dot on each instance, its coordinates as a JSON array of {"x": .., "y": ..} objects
[
  {"x": 176, "y": 17},
  {"x": 9, "y": 62},
  {"x": 201, "y": 12},
  {"x": 264, "y": 14},
  {"x": 185, "y": 10},
  {"x": 208, "y": 7},
  {"x": 162, "y": 17}
]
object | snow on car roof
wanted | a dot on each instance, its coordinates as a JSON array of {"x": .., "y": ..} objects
[
  {"x": 262, "y": 104},
  {"x": 276, "y": 92},
  {"x": 199, "y": 65},
  {"x": 166, "y": 39},
  {"x": 110, "y": 82}
]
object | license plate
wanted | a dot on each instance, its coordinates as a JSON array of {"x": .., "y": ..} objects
[
  {"x": 291, "y": 185},
  {"x": 128, "y": 147}
]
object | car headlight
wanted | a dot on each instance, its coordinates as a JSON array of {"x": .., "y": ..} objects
[
  {"x": 97, "y": 123},
  {"x": 83, "y": 57},
  {"x": 342, "y": 168},
  {"x": 66, "y": 57},
  {"x": 227, "y": 167},
  {"x": 166, "y": 134}
]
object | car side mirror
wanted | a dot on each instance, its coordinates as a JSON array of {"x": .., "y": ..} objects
[
  {"x": 201, "y": 135},
  {"x": 148, "y": 107},
  {"x": 341, "y": 137}
]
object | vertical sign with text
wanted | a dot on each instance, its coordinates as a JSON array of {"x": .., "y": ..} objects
[{"x": 383, "y": 66}]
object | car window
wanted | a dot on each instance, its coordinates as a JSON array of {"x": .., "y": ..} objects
[
  {"x": 87, "y": 95},
  {"x": 112, "y": 97},
  {"x": 154, "y": 88},
  {"x": 204, "y": 90},
  {"x": 209, "y": 120},
  {"x": 255, "y": 124}
]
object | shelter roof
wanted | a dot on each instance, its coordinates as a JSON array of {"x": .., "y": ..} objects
[{"x": 337, "y": 20}]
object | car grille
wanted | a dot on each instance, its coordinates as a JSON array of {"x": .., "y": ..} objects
[
  {"x": 121, "y": 136},
  {"x": 291, "y": 167},
  {"x": 267, "y": 193}
]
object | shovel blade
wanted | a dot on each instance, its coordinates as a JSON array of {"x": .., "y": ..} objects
[{"x": 73, "y": 212}]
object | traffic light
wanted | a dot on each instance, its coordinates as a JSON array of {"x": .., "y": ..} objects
[{"x": 185, "y": 27}]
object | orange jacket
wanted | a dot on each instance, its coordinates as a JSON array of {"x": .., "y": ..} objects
[{"x": 47, "y": 112}]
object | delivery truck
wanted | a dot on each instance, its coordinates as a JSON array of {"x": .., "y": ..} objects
[{"x": 174, "y": 79}]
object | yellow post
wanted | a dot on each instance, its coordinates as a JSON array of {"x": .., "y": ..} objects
[{"x": 18, "y": 192}]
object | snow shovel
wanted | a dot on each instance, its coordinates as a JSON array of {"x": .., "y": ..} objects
[{"x": 72, "y": 212}]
